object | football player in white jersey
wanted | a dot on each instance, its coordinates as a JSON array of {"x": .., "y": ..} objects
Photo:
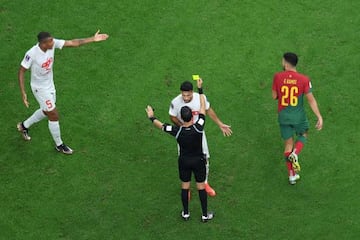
[
  {"x": 40, "y": 59},
  {"x": 191, "y": 99}
]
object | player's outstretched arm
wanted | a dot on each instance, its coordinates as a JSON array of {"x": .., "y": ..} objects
[
  {"x": 78, "y": 42},
  {"x": 21, "y": 77},
  {"x": 314, "y": 107},
  {"x": 225, "y": 129},
  {"x": 150, "y": 113}
]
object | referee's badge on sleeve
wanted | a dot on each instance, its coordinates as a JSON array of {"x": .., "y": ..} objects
[
  {"x": 168, "y": 128},
  {"x": 201, "y": 121}
]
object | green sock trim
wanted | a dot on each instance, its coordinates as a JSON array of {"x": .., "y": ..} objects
[{"x": 301, "y": 138}]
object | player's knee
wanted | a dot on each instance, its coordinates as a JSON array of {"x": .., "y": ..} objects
[
  {"x": 185, "y": 185},
  {"x": 53, "y": 115},
  {"x": 200, "y": 185}
]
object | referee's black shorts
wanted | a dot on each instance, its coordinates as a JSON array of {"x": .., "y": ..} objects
[{"x": 197, "y": 165}]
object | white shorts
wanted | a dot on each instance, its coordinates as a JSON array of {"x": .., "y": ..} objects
[
  {"x": 204, "y": 146},
  {"x": 46, "y": 99}
]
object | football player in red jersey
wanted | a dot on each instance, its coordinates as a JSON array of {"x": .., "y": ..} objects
[{"x": 289, "y": 88}]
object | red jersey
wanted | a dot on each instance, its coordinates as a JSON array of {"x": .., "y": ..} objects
[{"x": 291, "y": 87}]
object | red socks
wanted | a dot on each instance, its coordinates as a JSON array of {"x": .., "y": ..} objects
[
  {"x": 289, "y": 166},
  {"x": 298, "y": 147},
  {"x": 291, "y": 171}
]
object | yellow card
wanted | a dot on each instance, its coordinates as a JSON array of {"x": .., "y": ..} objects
[{"x": 195, "y": 77}]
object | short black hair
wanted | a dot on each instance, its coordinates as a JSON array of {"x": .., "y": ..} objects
[
  {"x": 186, "y": 114},
  {"x": 43, "y": 36},
  {"x": 186, "y": 86},
  {"x": 291, "y": 58}
]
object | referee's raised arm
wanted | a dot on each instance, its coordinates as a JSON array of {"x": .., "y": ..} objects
[{"x": 150, "y": 113}]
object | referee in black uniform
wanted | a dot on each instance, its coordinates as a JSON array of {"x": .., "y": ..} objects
[{"x": 191, "y": 158}]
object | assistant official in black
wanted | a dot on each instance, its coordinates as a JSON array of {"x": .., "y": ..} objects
[{"x": 191, "y": 157}]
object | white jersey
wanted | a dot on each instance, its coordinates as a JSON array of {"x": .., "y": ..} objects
[
  {"x": 178, "y": 102},
  {"x": 41, "y": 65}
]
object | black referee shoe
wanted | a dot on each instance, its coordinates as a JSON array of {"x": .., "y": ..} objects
[
  {"x": 186, "y": 217},
  {"x": 209, "y": 216},
  {"x": 64, "y": 149}
]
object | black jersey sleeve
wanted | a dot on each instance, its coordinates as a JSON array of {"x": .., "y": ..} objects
[
  {"x": 170, "y": 129},
  {"x": 200, "y": 123}
]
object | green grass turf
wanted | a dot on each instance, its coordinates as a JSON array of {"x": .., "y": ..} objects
[{"x": 122, "y": 182}]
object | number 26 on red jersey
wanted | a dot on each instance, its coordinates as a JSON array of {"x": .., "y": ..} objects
[{"x": 289, "y": 96}]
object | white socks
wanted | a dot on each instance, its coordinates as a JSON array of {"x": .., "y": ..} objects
[
  {"x": 37, "y": 116},
  {"x": 54, "y": 128}
]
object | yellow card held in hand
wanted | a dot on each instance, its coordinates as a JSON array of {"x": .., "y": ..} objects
[{"x": 195, "y": 77}]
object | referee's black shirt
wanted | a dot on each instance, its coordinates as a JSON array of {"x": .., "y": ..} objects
[{"x": 189, "y": 138}]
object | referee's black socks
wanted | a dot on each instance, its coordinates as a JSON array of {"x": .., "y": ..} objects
[
  {"x": 203, "y": 201},
  {"x": 185, "y": 200}
]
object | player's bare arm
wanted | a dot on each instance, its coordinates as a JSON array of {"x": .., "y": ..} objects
[
  {"x": 202, "y": 98},
  {"x": 274, "y": 95},
  {"x": 176, "y": 121},
  {"x": 78, "y": 42},
  {"x": 21, "y": 77},
  {"x": 225, "y": 129},
  {"x": 314, "y": 107},
  {"x": 150, "y": 113}
]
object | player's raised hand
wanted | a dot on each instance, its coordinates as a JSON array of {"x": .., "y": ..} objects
[
  {"x": 24, "y": 97},
  {"x": 319, "y": 124},
  {"x": 199, "y": 83},
  {"x": 150, "y": 111},
  {"x": 100, "y": 36},
  {"x": 226, "y": 130}
]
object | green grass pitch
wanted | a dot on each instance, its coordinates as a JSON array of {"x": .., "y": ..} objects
[{"x": 122, "y": 181}]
